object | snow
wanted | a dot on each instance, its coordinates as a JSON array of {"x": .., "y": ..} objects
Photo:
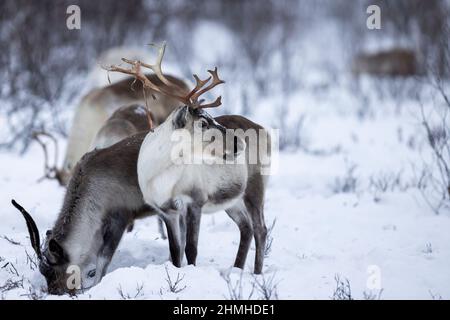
[
  {"x": 317, "y": 233},
  {"x": 320, "y": 230}
]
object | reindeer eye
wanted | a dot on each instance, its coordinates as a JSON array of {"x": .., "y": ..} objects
[
  {"x": 201, "y": 123},
  {"x": 91, "y": 273},
  {"x": 204, "y": 124}
]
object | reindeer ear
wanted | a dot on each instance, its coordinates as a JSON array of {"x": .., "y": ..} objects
[
  {"x": 56, "y": 250},
  {"x": 181, "y": 118}
]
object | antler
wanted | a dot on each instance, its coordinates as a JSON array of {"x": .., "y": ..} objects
[
  {"x": 190, "y": 99},
  {"x": 197, "y": 91},
  {"x": 50, "y": 171},
  {"x": 136, "y": 72},
  {"x": 32, "y": 229}
]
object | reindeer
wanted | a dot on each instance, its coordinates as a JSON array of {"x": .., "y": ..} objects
[
  {"x": 180, "y": 193},
  {"x": 123, "y": 123},
  {"x": 95, "y": 108},
  {"x": 102, "y": 200},
  {"x": 394, "y": 62}
]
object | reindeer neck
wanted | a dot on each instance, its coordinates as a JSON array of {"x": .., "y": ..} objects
[{"x": 155, "y": 153}]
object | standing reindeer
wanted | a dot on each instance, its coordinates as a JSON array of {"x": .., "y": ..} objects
[{"x": 182, "y": 192}]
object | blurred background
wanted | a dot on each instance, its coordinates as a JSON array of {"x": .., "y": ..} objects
[{"x": 266, "y": 50}]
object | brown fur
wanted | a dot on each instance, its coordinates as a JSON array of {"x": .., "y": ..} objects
[
  {"x": 395, "y": 62},
  {"x": 124, "y": 122},
  {"x": 111, "y": 171}
]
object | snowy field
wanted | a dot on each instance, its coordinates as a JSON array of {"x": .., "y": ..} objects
[
  {"x": 330, "y": 221},
  {"x": 347, "y": 214}
]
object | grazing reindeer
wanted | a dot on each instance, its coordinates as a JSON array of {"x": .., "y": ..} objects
[
  {"x": 95, "y": 108},
  {"x": 102, "y": 199},
  {"x": 182, "y": 192}
]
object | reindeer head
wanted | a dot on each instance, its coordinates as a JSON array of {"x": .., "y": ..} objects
[
  {"x": 52, "y": 260},
  {"x": 62, "y": 273}
]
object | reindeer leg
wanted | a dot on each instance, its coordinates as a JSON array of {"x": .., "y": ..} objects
[
  {"x": 193, "y": 217},
  {"x": 161, "y": 229},
  {"x": 182, "y": 223},
  {"x": 240, "y": 216},
  {"x": 174, "y": 233},
  {"x": 260, "y": 233}
]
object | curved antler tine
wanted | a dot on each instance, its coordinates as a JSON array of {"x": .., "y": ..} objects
[
  {"x": 156, "y": 68},
  {"x": 50, "y": 171},
  {"x": 32, "y": 229},
  {"x": 214, "y": 104},
  {"x": 36, "y": 135},
  {"x": 215, "y": 81},
  {"x": 215, "y": 76},
  {"x": 198, "y": 85},
  {"x": 136, "y": 72}
]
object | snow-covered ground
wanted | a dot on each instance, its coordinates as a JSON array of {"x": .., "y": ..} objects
[
  {"x": 326, "y": 225},
  {"x": 344, "y": 205}
]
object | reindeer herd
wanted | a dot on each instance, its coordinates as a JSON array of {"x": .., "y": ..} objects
[{"x": 122, "y": 163}]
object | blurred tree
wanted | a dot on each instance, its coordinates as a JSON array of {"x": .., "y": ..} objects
[
  {"x": 44, "y": 64},
  {"x": 41, "y": 57}
]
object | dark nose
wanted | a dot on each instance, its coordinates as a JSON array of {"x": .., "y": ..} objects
[{"x": 55, "y": 290}]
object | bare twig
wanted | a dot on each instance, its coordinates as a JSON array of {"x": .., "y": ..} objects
[
  {"x": 236, "y": 290},
  {"x": 127, "y": 296},
  {"x": 439, "y": 142},
  {"x": 267, "y": 287},
  {"x": 31, "y": 261},
  {"x": 343, "y": 290},
  {"x": 174, "y": 285},
  {"x": 347, "y": 183},
  {"x": 11, "y": 285},
  {"x": 33, "y": 294},
  {"x": 269, "y": 239},
  {"x": 10, "y": 268},
  {"x": 435, "y": 296},
  {"x": 370, "y": 295},
  {"x": 16, "y": 243}
]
